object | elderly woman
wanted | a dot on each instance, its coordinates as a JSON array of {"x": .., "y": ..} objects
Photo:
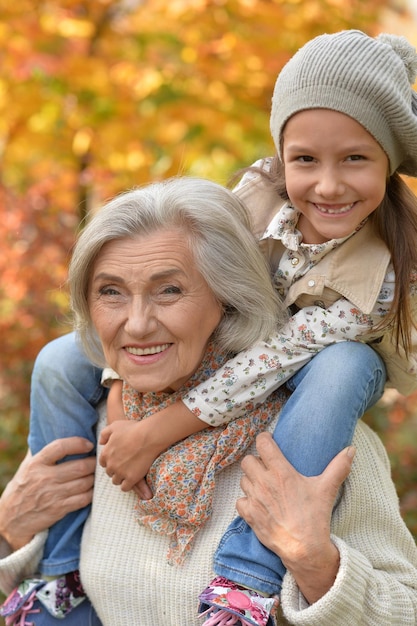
[{"x": 167, "y": 282}]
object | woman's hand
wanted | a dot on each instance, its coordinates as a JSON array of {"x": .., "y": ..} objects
[
  {"x": 42, "y": 492},
  {"x": 290, "y": 513}
]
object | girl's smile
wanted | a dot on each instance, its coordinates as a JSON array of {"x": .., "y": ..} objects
[{"x": 334, "y": 209}]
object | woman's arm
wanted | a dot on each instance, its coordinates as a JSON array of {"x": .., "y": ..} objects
[
  {"x": 291, "y": 513},
  {"x": 42, "y": 492},
  {"x": 360, "y": 569}
]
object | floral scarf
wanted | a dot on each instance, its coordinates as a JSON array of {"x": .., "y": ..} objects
[{"x": 182, "y": 479}]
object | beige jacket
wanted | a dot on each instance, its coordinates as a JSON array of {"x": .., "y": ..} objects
[{"x": 355, "y": 271}]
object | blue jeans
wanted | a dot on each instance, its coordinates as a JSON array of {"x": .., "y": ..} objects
[
  {"x": 64, "y": 394},
  {"x": 329, "y": 395}
]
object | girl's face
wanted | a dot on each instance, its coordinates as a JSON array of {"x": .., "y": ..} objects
[{"x": 335, "y": 173}]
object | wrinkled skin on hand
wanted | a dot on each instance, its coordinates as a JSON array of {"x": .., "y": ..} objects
[
  {"x": 291, "y": 513},
  {"x": 43, "y": 492}
]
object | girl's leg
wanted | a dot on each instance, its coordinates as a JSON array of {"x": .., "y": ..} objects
[
  {"x": 65, "y": 390},
  {"x": 328, "y": 396},
  {"x": 64, "y": 394}
]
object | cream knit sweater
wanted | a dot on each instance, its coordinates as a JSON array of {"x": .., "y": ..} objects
[{"x": 125, "y": 573}]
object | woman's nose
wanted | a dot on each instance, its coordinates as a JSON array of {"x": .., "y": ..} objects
[{"x": 141, "y": 319}]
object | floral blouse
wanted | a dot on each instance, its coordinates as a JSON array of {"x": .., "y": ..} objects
[{"x": 253, "y": 374}]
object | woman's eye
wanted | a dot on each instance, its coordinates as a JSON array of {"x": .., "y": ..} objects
[
  {"x": 108, "y": 291},
  {"x": 171, "y": 290}
]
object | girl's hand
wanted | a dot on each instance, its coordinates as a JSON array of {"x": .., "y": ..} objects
[
  {"x": 131, "y": 447},
  {"x": 291, "y": 513},
  {"x": 129, "y": 451}
]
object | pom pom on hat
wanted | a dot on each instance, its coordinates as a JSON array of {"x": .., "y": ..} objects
[
  {"x": 405, "y": 51},
  {"x": 368, "y": 79}
]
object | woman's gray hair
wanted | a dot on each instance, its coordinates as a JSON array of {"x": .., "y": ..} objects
[{"x": 226, "y": 253}]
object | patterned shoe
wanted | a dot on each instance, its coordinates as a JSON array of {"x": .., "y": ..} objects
[
  {"x": 59, "y": 597},
  {"x": 222, "y": 617},
  {"x": 20, "y": 602},
  {"x": 225, "y": 603}
]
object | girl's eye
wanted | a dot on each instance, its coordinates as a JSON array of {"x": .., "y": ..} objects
[
  {"x": 355, "y": 157},
  {"x": 305, "y": 158}
]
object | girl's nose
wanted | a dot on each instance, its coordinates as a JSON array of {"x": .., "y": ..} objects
[{"x": 329, "y": 185}]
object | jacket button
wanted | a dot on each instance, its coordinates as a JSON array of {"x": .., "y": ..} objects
[
  {"x": 320, "y": 303},
  {"x": 295, "y": 261},
  {"x": 311, "y": 283}
]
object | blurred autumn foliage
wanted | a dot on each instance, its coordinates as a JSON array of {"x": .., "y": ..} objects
[{"x": 97, "y": 96}]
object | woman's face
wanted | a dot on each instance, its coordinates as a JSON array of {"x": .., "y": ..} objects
[
  {"x": 152, "y": 309},
  {"x": 335, "y": 173}
]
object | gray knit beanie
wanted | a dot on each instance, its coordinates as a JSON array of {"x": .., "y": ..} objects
[{"x": 368, "y": 79}]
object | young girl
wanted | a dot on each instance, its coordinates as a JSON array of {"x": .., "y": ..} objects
[
  {"x": 344, "y": 122},
  {"x": 340, "y": 233}
]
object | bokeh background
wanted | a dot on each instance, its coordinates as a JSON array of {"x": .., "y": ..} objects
[{"x": 97, "y": 96}]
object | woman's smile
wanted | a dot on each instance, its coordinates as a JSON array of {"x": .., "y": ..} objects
[{"x": 147, "y": 351}]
